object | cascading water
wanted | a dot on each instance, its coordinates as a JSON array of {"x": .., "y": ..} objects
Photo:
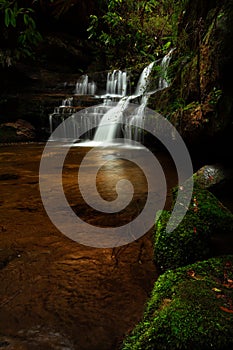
[
  {"x": 68, "y": 102},
  {"x": 108, "y": 116},
  {"x": 134, "y": 132},
  {"x": 84, "y": 87},
  {"x": 60, "y": 113},
  {"x": 163, "y": 79},
  {"x": 109, "y": 125},
  {"x": 116, "y": 85},
  {"x": 144, "y": 80}
]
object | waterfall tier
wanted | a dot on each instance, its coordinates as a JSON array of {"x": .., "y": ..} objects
[
  {"x": 85, "y": 87},
  {"x": 116, "y": 85},
  {"x": 109, "y": 117}
]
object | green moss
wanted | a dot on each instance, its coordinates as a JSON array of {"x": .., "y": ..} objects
[
  {"x": 190, "y": 241},
  {"x": 190, "y": 308}
]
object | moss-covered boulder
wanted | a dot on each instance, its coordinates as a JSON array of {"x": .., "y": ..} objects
[
  {"x": 190, "y": 308},
  {"x": 191, "y": 240}
]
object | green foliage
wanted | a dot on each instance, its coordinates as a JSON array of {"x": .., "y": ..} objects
[
  {"x": 131, "y": 32},
  {"x": 215, "y": 96},
  {"x": 190, "y": 241},
  {"x": 19, "y": 33},
  {"x": 190, "y": 308}
]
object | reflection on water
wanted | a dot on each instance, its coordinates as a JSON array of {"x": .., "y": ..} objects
[
  {"x": 89, "y": 297},
  {"x": 114, "y": 165},
  {"x": 128, "y": 188}
]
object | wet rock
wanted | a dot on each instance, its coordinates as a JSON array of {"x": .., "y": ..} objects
[
  {"x": 44, "y": 339},
  {"x": 21, "y": 130},
  {"x": 212, "y": 175},
  {"x": 4, "y": 344},
  {"x": 6, "y": 256}
]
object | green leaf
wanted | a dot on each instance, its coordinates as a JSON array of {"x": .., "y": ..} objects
[
  {"x": 90, "y": 28},
  {"x": 13, "y": 21},
  {"x": 7, "y": 17},
  {"x": 31, "y": 23},
  {"x": 25, "y": 18}
]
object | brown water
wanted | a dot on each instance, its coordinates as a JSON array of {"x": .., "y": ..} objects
[{"x": 54, "y": 292}]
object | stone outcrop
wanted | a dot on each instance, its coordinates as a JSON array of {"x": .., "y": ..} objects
[
  {"x": 21, "y": 130},
  {"x": 199, "y": 101}
]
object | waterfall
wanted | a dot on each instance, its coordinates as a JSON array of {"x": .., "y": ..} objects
[
  {"x": 144, "y": 80},
  {"x": 68, "y": 102},
  {"x": 109, "y": 125},
  {"x": 84, "y": 87},
  {"x": 116, "y": 84},
  {"x": 133, "y": 132},
  {"x": 109, "y": 115},
  {"x": 163, "y": 79}
]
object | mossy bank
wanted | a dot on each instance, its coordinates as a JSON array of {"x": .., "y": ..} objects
[
  {"x": 190, "y": 308},
  {"x": 191, "y": 241}
]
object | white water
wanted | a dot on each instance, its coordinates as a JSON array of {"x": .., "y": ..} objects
[
  {"x": 109, "y": 126},
  {"x": 144, "y": 80},
  {"x": 85, "y": 87},
  {"x": 68, "y": 102},
  {"x": 116, "y": 84},
  {"x": 163, "y": 80},
  {"x": 112, "y": 119}
]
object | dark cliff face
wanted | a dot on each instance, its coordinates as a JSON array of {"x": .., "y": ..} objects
[
  {"x": 70, "y": 17},
  {"x": 199, "y": 101},
  {"x": 195, "y": 13},
  {"x": 29, "y": 86}
]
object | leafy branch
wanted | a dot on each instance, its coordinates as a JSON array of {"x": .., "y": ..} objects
[{"x": 19, "y": 32}]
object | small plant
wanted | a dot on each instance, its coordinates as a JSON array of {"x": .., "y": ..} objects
[
  {"x": 215, "y": 96},
  {"x": 18, "y": 31},
  {"x": 146, "y": 28}
]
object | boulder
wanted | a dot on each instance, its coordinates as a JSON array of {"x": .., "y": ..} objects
[{"x": 20, "y": 130}]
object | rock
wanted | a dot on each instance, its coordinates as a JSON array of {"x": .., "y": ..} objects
[
  {"x": 21, "y": 130},
  {"x": 192, "y": 239},
  {"x": 4, "y": 343},
  {"x": 199, "y": 100},
  {"x": 212, "y": 175},
  {"x": 190, "y": 308}
]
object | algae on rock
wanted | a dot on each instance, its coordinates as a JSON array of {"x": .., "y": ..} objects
[
  {"x": 190, "y": 308},
  {"x": 191, "y": 240}
]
